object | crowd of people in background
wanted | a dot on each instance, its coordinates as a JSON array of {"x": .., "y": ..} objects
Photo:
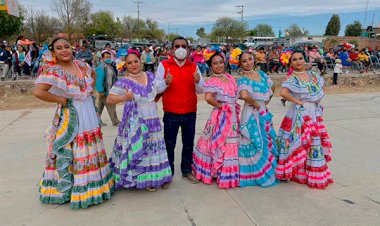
[{"x": 24, "y": 57}]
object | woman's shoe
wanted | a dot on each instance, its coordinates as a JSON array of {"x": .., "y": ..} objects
[{"x": 151, "y": 189}]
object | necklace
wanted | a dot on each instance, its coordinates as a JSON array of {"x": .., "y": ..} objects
[
  {"x": 135, "y": 75},
  {"x": 299, "y": 72},
  {"x": 245, "y": 71},
  {"x": 139, "y": 78},
  {"x": 222, "y": 77},
  {"x": 217, "y": 75}
]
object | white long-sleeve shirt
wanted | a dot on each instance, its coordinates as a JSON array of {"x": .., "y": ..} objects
[
  {"x": 338, "y": 68},
  {"x": 161, "y": 86}
]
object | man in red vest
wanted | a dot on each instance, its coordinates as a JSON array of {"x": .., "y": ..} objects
[{"x": 178, "y": 80}]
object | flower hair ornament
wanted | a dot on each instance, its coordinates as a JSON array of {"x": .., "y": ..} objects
[
  {"x": 285, "y": 56},
  {"x": 235, "y": 54},
  {"x": 209, "y": 52},
  {"x": 134, "y": 51}
]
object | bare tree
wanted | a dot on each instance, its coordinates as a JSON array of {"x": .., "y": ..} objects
[
  {"x": 74, "y": 14},
  {"x": 39, "y": 26},
  {"x": 130, "y": 26},
  {"x": 152, "y": 30}
]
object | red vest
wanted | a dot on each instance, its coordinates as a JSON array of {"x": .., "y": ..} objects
[{"x": 180, "y": 96}]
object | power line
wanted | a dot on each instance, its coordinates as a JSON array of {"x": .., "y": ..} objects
[
  {"x": 241, "y": 12},
  {"x": 138, "y": 14},
  {"x": 365, "y": 13}
]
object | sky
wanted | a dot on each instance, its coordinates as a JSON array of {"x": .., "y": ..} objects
[{"x": 184, "y": 17}]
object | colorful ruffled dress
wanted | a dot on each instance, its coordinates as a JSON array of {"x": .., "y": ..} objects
[
  {"x": 258, "y": 149},
  {"x": 216, "y": 152},
  {"x": 77, "y": 168},
  {"x": 303, "y": 141},
  {"x": 139, "y": 158}
]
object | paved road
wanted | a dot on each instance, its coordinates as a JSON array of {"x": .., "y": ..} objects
[{"x": 353, "y": 121}]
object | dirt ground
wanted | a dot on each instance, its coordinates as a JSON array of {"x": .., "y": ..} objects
[{"x": 27, "y": 101}]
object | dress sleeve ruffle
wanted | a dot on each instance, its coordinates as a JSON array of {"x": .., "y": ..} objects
[
  {"x": 213, "y": 86},
  {"x": 52, "y": 76},
  {"x": 244, "y": 84},
  {"x": 119, "y": 88}
]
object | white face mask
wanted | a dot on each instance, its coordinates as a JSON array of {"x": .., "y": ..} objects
[{"x": 180, "y": 53}]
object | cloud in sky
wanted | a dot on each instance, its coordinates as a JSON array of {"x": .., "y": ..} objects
[
  {"x": 207, "y": 11},
  {"x": 185, "y": 16}
]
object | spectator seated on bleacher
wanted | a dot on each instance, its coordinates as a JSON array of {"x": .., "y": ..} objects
[
  {"x": 356, "y": 64},
  {"x": 274, "y": 61},
  {"x": 363, "y": 59},
  {"x": 261, "y": 61},
  {"x": 315, "y": 57},
  {"x": 331, "y": 54}
]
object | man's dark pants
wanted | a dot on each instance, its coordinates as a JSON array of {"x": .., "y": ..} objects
[{"x": 172, "y": 123}]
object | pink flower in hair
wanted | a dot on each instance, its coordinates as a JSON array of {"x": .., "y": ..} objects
[{"x": 133, "y": 51}]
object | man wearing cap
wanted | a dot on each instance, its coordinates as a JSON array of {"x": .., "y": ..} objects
[
  {"x": 105, "y": 78},
  {"x": 178, "y": 80}
]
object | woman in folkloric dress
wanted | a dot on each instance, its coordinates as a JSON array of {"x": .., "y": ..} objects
[
  {"x": 303, "y": 142},
  {"x": 139, "y": 158},
  {"x": 77, "y": 168},
  {"x": 216, "y": 153},
  {"x": 258, "y": 150}
]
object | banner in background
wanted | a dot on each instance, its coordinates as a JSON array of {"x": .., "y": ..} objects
[{"x": 11, "y": 6}]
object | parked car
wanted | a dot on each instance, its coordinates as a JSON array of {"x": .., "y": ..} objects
[
  {"x": 100, "y": 44},
  {"x": 301, "y": 45}
]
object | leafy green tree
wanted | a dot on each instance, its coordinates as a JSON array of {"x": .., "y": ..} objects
[
  {"x": 263, "y": 30},
  {"x": 229, "y": 29},
  {"x": 295, "y": 31},
  {"x": 201, "y": 32},
  {"x": 10, "y": 25},
  {"x": 252, "y": 32},
  {"x": 102, "y": 22},
  {"x": 190, "y": 39},
  {"x": 333, "y": 26},
  {"x": 152, "y": 31},
  {"x": 171, "y": 36},
  {"x": 353, "y": 29}
]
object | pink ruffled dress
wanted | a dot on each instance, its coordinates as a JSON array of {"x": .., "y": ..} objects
[{"x": 216, "y": 153}]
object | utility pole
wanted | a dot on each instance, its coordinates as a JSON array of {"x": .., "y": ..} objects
[
  {"x": 138, "y": 14},
  {"x": 365, "y": 13},
  {"x": 241, "y": 12}
]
